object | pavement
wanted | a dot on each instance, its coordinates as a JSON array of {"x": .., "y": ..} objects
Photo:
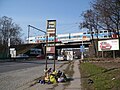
[{"x": 75, "y": 84}]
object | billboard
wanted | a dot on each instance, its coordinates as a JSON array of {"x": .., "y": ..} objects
[{"x": 106, "y": 45}]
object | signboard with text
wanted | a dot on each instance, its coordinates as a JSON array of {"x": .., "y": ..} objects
[
  {"x": 106, "y": 45},
  {"x": 51, "y": 33},
  {"x": 50, "y": 50}
]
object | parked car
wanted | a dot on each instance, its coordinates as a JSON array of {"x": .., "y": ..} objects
[
  {"x": 76, "y": 57},
  {"x": 50, "y": 57},
  {"x": 40, "y": 56},
  {"x": 22, "y": 56},
  {"x": 60, "y": 57}
]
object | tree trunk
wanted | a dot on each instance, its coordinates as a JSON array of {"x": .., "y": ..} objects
[{"x": 93, "y": 42}]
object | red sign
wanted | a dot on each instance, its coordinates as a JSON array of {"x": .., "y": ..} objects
[{"x": 50, "y": 50}]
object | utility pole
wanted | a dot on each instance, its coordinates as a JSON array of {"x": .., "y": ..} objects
[
  {"x": 28, "y": 33},
  {"x": 82, "y": 56},
  {"x": 82, "y": 48}
]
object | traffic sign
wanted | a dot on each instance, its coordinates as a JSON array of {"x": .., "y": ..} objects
[{"x": 82, "y": 48}]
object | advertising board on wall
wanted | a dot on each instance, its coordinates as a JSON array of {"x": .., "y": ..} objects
[{"x": 106, "y": 45}]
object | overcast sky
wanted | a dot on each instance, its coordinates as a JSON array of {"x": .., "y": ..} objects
[{"x": 37, "y": 12}]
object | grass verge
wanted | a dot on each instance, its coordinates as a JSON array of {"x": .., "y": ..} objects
[{"x": 102, "y": 79}]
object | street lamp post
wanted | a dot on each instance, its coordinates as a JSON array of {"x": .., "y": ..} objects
[{"x": 46, "y": 40}]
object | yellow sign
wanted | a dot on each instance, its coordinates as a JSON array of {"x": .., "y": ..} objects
[{"x": 51, "y": 24}]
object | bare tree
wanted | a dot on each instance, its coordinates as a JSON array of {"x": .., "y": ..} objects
[
  {"x": 109, "y": 14},
  {"x": 90, "y": 22},
  {"x": 105, "y": 14},
  {"x": 9, "y": 30}
]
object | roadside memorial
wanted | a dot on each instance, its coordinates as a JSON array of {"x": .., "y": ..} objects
[{"x": 53, "y": 77}]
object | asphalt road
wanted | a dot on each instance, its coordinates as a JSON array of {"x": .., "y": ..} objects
[
  {"x": 21, "y": 75},
  {"x": 11, "y": 66}
]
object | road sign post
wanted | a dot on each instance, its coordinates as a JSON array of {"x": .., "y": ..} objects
[{"x": 82, "y": 50}]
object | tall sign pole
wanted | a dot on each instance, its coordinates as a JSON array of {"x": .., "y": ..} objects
[
  {"x": 55, "y": 45},
  {"x": 82, "y": 48},
  {"x": 51, "y": 33},
  {"x": 46, "y": 52}
]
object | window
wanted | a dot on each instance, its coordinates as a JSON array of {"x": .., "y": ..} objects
[
  {"x": 101, "y": 31},
  {"x": 35, "y": 51},
  {"x": 63, "y": 37},
  {"x": 76, "y": 36},
  {"x": 105, "y": 36},
  {"x": 105, "y": 31}
]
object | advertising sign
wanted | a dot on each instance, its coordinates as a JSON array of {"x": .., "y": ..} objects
[
  {"x": 50, "y": 50},
  {"x": 51, "y": 29},
  {"x": 106, "y": 45},
  {"x": 51, "y": 24}
]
